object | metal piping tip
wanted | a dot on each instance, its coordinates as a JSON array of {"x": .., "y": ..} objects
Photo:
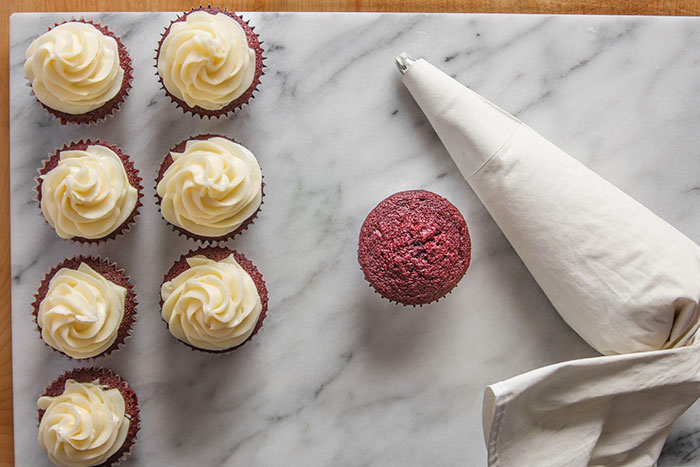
[{"x": 404, "y": 62}]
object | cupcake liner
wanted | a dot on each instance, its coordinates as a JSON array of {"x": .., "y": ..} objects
[
  {"x": 111, "y": 381},
  {"x": 217, "y": 254},
  {"x": 414, "y": 305},
  {"x": 132, "y": 174},
  {"x": 111, "y": 106},
  {"x": 253, "y": 42},
  {"x": 108, "y": 270},
  {"x": 167, "y": 162},
  {"x": 422, "y": 258}
]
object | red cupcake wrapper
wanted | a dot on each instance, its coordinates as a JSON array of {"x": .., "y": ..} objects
[
  {"x": 111, "y": 381},
  {"x": 111, "y": 106},
  {"x": 253, "y": 42},
  {"x": 132, "y": 174},
  {"x": 217, "y": 254},
  {"x": 414, "y": 305},
  {"x": 167, "y": 162},
  {"x": 111, "y": 272}
]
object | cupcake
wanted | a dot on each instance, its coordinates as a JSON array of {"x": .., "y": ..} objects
[
  {"x": 88, "y": 416},
  {"x": 79, "y": 71},
  {"x": 85, "y": 307},
  {"x": 209, "y": 62},
  {"x": 89, "y": 191},
  {"x": 209, "y": 188},
  {"x": 213, "y": 299},
  {"x": 414, "y": 247}
]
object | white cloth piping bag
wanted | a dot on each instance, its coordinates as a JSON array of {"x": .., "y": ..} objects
[{"x": 624, "y": 279}]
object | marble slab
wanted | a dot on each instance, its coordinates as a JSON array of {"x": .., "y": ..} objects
[{"x": 339, "y": 376}]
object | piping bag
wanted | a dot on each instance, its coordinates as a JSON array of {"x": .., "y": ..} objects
[{"x": 624, "y": 279}]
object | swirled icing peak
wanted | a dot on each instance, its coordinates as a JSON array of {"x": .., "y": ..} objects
[
  {"x": 87, "y": 194},
  {"x": 211, "y": 188},
  {"x": 81, "y": 312},
  {"x": 213, "y": 305},
  {"x": 84, "y": 426},
  {"x": 74, "y": 68},
  {"x": 205, "y": 60}
]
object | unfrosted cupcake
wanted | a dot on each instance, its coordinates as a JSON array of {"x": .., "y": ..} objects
[
  {"x": 85, "y": 307},
  {"x": 209, "y": 61},
  {"x": 209, "y": 188},
  {"x": 79, "y": 71},
  {"x": 88, "y": 417},
  {"x": 213, "y": 299},
  {"x": 89, "y": 191},
  {"x": 414, "y": 247}
]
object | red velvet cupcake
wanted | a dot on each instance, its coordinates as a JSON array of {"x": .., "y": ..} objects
[
  {"x": 85, "y": 307},
  {"x": 95, "y": 414},
  {"x": 209, "y": 188},
  {"x": 76, "y": 83},
  {"x": 69, "y": 197},
  {"x": 213, "y": 300},
  {"x": 209, "y": 62},
  {"x": 414, "y": 247}
]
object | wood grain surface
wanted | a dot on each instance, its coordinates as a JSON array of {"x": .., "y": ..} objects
[{"x": 7, "y": 7}]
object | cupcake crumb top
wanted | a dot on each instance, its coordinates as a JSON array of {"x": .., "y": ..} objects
[{"x": 414, "y": 247}]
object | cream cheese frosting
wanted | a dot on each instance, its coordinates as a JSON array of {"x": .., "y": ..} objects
[
  {"x": 81, "y": 312},
  {"x": 87, "y": 194},
  {"x": 213, "y": 305},
  {"x": 211, "y": 188},
  {"x": 84, "y": 426},
  {"x": 74, "y": 68},
  {"x": 205, "y": 60}
]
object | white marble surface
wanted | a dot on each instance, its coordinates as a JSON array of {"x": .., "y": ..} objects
[{"x": 338, "y": 376}]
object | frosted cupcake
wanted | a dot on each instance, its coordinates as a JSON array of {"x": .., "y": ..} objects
[
  {"x": 209, "y": 62},
  {"x": 88, "y": 417},
  {"x": 79, "y": 71},
  {"x": 85, "y": 307},
  {"x": 213, "y": 299},
  {"x": 209, "y": 188},
  {"x": 89, "y": 191}
]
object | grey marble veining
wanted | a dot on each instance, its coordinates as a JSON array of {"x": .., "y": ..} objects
[{"x": 338, "y": 376}]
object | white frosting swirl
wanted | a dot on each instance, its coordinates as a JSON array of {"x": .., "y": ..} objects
[
  {"x": 206, "y": 61},
  {"x": 81, "y": 312},
  {"x": 74, "y": 68},
  {"x": 213, "y": 305},
  {"x": 211, "y": 188},
  {"x": 84, "y": 426},
  {"x": 87, "y": 194}
]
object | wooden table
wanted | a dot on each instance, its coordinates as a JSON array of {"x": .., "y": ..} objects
[{"x": 623, "y": 7}]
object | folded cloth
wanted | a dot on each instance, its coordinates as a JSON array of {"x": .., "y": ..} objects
[{"x": 624, "y": 279}]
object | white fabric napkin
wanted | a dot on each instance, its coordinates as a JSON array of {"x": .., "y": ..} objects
[{"x": 621, "y": 277}]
